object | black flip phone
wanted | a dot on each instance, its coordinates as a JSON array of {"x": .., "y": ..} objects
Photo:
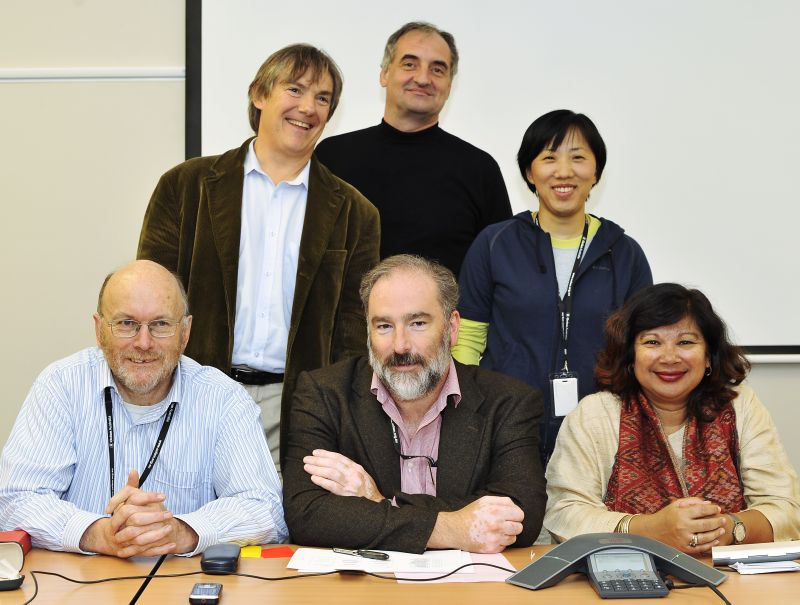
[
  {"x": 220, "y": 559},
  {"x": 205, "y": 593}
]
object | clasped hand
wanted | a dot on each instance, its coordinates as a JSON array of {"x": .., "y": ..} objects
[
  {"x": 139, "y": 525},
  {"x": 684, "y": 522}
]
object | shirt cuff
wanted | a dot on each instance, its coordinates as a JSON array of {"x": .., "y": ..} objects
[
  {"x": 75, "y": 528},
  {"x": 206, "y": 533}
]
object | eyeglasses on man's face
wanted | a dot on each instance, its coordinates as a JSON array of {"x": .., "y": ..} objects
[{"x": 158, "y": 328}]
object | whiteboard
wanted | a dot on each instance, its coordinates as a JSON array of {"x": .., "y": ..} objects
[{"x": 698, "y": 102}]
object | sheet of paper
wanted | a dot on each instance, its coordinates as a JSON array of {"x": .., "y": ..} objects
[
  {"x": 309, "y": 560},
  {"x": 475, "y": 573},
  {"x": 769, "y": 567},
  {"x": 772, "y": 549}
]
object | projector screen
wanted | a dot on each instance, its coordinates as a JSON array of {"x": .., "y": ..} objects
[{"x": 697, "y": 101}]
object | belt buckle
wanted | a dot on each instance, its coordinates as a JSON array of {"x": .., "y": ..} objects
[{"x": 242, "y": 375}]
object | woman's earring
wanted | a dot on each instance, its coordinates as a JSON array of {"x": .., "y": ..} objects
[{"x": 708, "y": 371}]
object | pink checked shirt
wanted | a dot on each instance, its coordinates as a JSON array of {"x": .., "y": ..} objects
[{"x": 415, "y": 478}]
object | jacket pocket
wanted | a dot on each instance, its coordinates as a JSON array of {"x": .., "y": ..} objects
[{"x": 330, "y": 276}]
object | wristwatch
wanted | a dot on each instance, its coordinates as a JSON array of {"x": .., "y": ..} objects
[{"x": 739, "y": 531}]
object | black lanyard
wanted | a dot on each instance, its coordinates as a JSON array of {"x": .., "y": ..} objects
[
  {"x": 431, "y": 462},
  {"x": 156, "y": 448},
  {"x": 565, "y": 304}
]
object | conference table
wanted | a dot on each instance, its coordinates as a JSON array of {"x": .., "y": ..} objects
[{"x": 774, "y": 589}]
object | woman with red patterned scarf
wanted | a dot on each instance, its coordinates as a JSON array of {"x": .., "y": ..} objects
[{"x": 675, "y": 448}]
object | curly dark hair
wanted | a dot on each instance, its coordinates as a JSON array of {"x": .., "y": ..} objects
[{"x": 664, "y": 305}]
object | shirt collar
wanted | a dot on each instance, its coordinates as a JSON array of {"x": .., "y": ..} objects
[
  {"x": 251, "y": 164},
  {"x": 104, "y": 376}
]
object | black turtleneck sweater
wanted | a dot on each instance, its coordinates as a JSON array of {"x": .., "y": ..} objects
[{"x": 435, "y": 192}]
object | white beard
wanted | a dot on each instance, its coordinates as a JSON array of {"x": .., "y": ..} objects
[{"x": 410, "y": 386}]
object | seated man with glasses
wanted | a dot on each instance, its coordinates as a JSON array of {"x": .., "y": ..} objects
[
  {"x": 99, "y": 424},
  {"x": 409, "y": 450}
]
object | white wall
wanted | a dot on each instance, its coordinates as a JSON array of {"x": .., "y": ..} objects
[
  {"x": 697, "y": 101},
  {"x": 778, "y": 386},
  {"x": 78, "y": 161}
]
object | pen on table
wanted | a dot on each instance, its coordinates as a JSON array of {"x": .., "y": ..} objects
[{"x": 367, "y": 554}]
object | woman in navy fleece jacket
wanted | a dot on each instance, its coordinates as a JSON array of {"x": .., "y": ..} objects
[{"x": 514, "y": 280}]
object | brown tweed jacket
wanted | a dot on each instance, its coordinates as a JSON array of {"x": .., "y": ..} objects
[{"x": 488, "y": 446}]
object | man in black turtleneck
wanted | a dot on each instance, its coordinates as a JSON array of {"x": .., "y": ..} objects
[{"x": 435, "y": 192}]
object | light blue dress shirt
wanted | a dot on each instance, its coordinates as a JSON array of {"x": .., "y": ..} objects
[
  {"x": 269, "y": 246},
  {"x": 214, "y": 466}
]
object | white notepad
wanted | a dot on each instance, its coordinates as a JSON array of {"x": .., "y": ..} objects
[{"x": 756, "y": 553}]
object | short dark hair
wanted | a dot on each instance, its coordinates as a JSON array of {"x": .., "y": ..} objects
[
  {"x": 443, "y": 277},
  {"x": 550, "y": 130},
  {"x": 664, "y": 305},
  {"x": 290, "y": 63},
  {"x": 390, "y": 49}
]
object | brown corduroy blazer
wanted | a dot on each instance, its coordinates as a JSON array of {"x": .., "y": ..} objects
[{"x": 192, "y": 226}]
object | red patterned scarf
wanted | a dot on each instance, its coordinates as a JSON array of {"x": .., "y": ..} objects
[{"x": 644, "y": 478}]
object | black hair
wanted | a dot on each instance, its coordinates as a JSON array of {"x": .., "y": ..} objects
[{"x": 550, "y": 130}]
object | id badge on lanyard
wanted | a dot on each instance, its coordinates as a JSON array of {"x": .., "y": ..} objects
[
  {"x": 564, "y": 392},
  {"x": 564, "y": 384}
]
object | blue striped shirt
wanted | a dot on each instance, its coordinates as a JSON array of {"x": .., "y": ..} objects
[{"x": 214, "y": 466}]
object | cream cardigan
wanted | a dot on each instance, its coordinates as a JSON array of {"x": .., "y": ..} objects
[{"x": 580, "y": 468}]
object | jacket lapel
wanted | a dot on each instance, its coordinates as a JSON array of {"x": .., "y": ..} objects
[
  {"x": 323, "y": 205},
  {"x": 460, "y": 439},
  {"x": 222, "y": 192},
  {"x": 380, "y": 458}
]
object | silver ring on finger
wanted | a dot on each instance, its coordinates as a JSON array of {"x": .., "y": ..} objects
[{"x": 693, "y": 541}]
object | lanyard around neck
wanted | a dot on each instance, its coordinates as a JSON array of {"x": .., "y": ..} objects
[
  {"x": 156, "y": 448},
  {"x": 396, "y": 439},
  {"x": 565, "y": 304}
]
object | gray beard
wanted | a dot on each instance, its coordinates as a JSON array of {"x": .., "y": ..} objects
[
  {"x": 140, "y": 385},
  {"x": 410, "y": 386}
]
